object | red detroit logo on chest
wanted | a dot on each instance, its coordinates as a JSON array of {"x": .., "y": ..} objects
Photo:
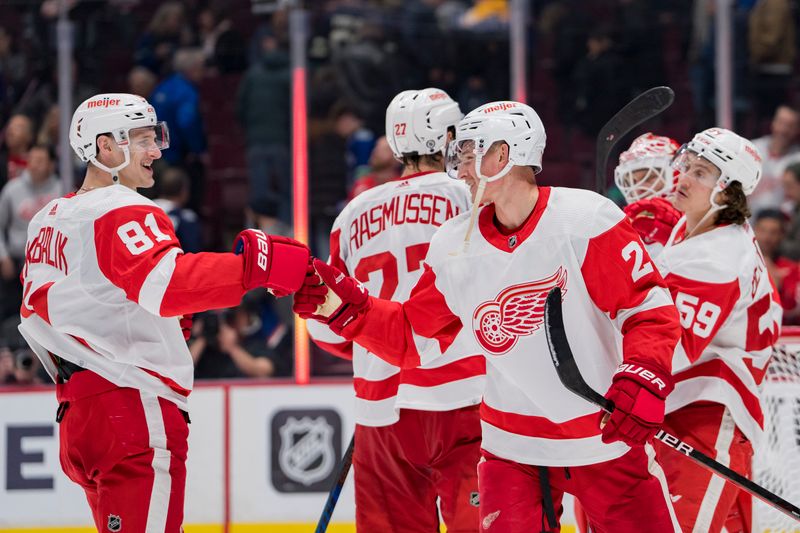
[{"x": 516, "y": 311}]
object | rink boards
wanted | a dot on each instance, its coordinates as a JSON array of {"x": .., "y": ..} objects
[{"x": 261, "y": 458}]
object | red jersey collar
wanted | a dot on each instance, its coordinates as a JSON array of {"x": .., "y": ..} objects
[
  {"x": 508, "y": 240},
  {"x": 415, "y": 175}
]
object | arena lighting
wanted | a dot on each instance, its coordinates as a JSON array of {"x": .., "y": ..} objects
[{"x": 302, "y": 366}]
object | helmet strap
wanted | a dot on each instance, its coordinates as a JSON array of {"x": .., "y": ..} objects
[
  {"x": 115, "y": 170},
  {"x": 476, "y": 206},
  {"x": 715, "y": 207}
]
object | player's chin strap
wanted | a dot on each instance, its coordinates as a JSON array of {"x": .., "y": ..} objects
[
  {"x": 476, "y": 204},
  {"x": 115, "y": 170},
  {"x": 715, "y": 207}
]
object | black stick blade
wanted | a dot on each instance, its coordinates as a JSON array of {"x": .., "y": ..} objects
[
  {"x": 639, "y": 110},
  {"x": 561, "y": 354}
]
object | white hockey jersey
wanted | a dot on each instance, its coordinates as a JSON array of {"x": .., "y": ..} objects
[
  {"x": 730, "y": 315},
  {"x": 381, "y": 238},
  {"x": 104, "y": 280},
  {"x": 616, "y": 308}
]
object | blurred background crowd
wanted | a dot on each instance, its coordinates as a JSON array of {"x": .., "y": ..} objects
[{"x": 218, "y": 71}]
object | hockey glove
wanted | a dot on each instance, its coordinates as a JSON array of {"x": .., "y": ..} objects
[
  {"x": 331, "y": 297},
  {"x": 653, "y": 219},
  {"x": 271, "y": 261},
  {"x": 638, "y": 393},
  {"x": 186, "y": 325}
]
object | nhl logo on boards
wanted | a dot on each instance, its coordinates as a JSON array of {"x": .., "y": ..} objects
[
  {"x": 515, "y": 312},
  {"x": 114, "y": 523},
  {"x": 310, "y": 445}
]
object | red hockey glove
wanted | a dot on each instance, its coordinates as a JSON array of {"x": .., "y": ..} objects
[
  {"x": 271, "y": 261},
  {"x": 638, "y": 393},
  {"x": 186, "y": 325},
  {"x": 331, "y": 297},
  {"x": 653, "y": 219}
]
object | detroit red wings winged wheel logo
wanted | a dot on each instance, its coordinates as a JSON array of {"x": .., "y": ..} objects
[{"x": 516, "y": 311}]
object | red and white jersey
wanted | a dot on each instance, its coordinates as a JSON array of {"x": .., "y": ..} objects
[
  {"x": 104, "y": 282},
  {"x": 730, "y": 315},
  {"x": 491, "y": 299},
  {"x": 381, "y": 238}
]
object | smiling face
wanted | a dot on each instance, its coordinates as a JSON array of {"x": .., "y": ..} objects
[
  {"x": 493, "y": 161},
  {"x": 696, "y": 179},
  {"x": 143, "y": 149}
]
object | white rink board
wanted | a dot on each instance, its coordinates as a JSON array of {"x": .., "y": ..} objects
[
  {"x": 29, "y": 418},
  {"x": 61, "y": 504},
  {"x": 258, "y": 493},
  {"x": 254, "y": 495}
]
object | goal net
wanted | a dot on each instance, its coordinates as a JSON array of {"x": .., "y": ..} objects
[{"x": 776, "y": 464}]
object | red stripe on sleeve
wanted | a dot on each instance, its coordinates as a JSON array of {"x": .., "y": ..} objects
[
  {"x": 619, "y": 275},
  {"x": 204, "y": 281},
  {"x": 339, "y": 349},
  {"x": 130, "y": 241},
  {"x": 387, "y": 329}
]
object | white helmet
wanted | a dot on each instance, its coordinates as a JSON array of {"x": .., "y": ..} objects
[
  {"x": 115, "y": 114},
  {"x": 417, "y": 122},
  {"x": 515, "y": 123},
  {"x": 736, "y": 157},
  {"x": 654, "y": 154}
]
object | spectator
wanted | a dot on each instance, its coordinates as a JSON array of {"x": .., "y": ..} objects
[
  {"x": 7, "y": 365},
  {"x": 776, "y": 149},
  {"x": 19, "y": 136},
  {"x": 166, "y": 32},
  {"x": 27, "y": 367},
  {"x": 177, "y": 100},
  {"x": 19, "y": 201},
  {"x": 209, "y": 29},
  {"x": 263, "y": 105},
  {"x": 263, "y": 214},
  {"x": 601, "y": 67},
  {"x": 14, "y": 74},
  {"x": 359, "y": 141},
  {"x": 48, "y": 129},
  {"x": 232, "y": 344},
  {"x": 791, "y": 185},
  {"x": 46, "y": 95},
  {"x": 368, "y": 73},
  {"x": 383, "y": 167},
  {"x": 770, "y": 229},
  {"x": 173, "y": 186},
  {"x": 486, "y": 15},
  {"x": 141, "y": 81},
  {"x": 772, "y": 44}
]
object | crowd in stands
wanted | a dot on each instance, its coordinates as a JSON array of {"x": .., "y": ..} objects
[{"x": 219, "y": 73}]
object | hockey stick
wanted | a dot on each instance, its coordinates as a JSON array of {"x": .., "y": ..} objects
[
  {"x": 570, "y": 375},
  {"x": 642, "y": 108},
  {"x": 336, "y": 490}
]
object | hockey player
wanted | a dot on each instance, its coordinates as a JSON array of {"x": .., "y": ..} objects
[
  {"x": 539, "y": 440},
  {"x": 730, "y": 315},
  {"x": 647, "y": 181},
  {"x": 105, "y": 283},
  {"x": 417, "y": 430}
]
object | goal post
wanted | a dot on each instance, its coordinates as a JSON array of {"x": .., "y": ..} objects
[{"x": 776, "y": 461}]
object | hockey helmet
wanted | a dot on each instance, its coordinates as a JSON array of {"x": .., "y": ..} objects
[
  {"x": 652, "y": 154},
  {"x": 417, "y": 122}
]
